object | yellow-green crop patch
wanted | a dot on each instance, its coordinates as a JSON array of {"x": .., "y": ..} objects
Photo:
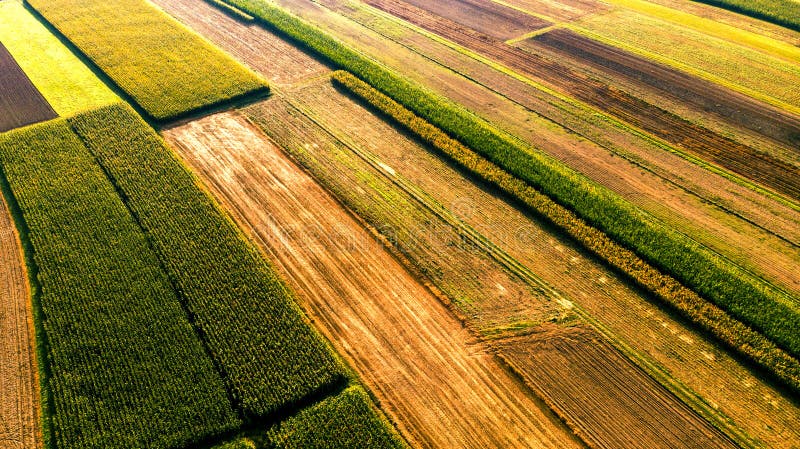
[
  {"x": 65, "y": 82},
  {"x": 166, "y": 69},
  {"x": 732, "y": 63}
]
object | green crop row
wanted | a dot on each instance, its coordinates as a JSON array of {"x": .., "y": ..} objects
[
  {"x": 750, "y": 343},
  {"x": 166, "y": 69},
  {"x": 743, "y": 295},
  {"x": 785, "y": 13},
  {"x": 126, "y": 367},
  {"x": 269, "y": 354}
]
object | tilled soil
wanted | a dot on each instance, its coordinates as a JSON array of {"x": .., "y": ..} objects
[
  {"x": 19, "y": 388},
  {"x": 610, "y": 401},
  {"x": 20, "y": 102},
  {"x": 438, "y": 383}
]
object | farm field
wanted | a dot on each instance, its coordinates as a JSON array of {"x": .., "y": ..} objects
[
  {"x": 20, "y": 102},
  {"x": 441, "y": 386},
  {"x": 275, "y": 224},
  {"x": 683, "y": 354},
  {"x": 71, "y": 89},
  {"x": 18, "y": 370}
]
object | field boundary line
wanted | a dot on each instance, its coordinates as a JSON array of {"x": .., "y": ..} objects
[
  {"x": 534, "y": 33},
  {"x": 718, "y": 419},
  {"x": 618, "y": 123}
]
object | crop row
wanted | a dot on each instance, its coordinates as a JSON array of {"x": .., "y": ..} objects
[
  {"x": 750, "y": 343},
  {"x": 781, "y": 12},
  {"x": 166, "y": 69},
  {"x": 743, "y": 295},
  {"x": 126, "y": 367},
  {"x": 270, "y": 356}
]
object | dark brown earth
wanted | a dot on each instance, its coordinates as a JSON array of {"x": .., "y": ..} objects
[
  {"x": 717, "y": 149},
  {"x": 20, "y": 102}
]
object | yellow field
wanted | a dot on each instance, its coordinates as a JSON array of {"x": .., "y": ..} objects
[{"x": 68, "y": 85}]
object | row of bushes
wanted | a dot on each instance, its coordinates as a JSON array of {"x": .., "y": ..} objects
[
  {"x": 270, "y": 356},
  {"x": 750, "y": 343},
  {"x": 744, "y": 296},
  {"x": 126, "y": 367},
  {"x": 166, "y": 69}
]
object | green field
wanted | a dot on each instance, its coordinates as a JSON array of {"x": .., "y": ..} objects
[
  {"x": 117, "y": 378},
  {"x": 781, "y": 12},
  {"x": 70, "y": 89},
  {"x": 166, "y": 69}
]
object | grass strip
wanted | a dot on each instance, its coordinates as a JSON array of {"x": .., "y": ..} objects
[
  {"x": 735, "y": 334},
  {"x": 271, "y": 358},
  {"x": 126, "y": 368},
  {"x": 785, "y": 13},
  {"x": 165, "y": 68},
  {"x": 744, "y": 296}
]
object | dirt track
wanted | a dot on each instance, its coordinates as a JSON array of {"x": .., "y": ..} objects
[
  {"x": 278, "y": 61},
  {"x": 736, "y": 157},
  {"x": 20, "y": 102},
  {"x": 610, "y": 400},
  {"x": 429, "y": 373},
  {"x": 19, "y": 387}
]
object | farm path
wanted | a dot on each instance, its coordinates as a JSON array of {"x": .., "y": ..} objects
[
  {"x": 19, "y": 387},
  {"x": 439, "y": 384}
]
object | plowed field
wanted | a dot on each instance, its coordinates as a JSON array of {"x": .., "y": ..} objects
[
  {"x": 610, "y": 400},
  {"x": 432, "y": 377},
  {"x": 20, "y": 102},
  {"x": 732, "y": 155},
  {"x": 19, "y": 400},
  {"x": 277, "y": 60}
]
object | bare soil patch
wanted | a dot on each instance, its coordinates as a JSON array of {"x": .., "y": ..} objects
[
  {"x": 485, "y": 16},
  {"x": 20, "y": 102},
  {"x": 280, "y": 62},
  {"x": 19, "y": 400},
  {"x": 704, "y": 95},
  {"x": 732, "y": 155},
  {"x": 429, "y": 373},
  {"x": 610, "y": 400}
]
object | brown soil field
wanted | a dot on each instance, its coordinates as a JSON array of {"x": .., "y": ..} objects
[
  {"x": 278, "y": 61},
  {"x": 691, "y": 361},
  {"x": 418, "y": 226},
  {"x": 704, "y": 95},
  {"x": 757, "y": 166},
  {"x": 611, "y": 401},
  {"x": 440, "y": 385},
  {"x": 485, "y": 16},
  {"x": 564, "y": 10},
  {"x": 19, "y": 400},
  {"x": 20, "y": 102}
]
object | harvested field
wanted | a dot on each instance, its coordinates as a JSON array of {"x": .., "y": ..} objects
[
  {"x": 611, "y": 401},
  {"x": 432, "y": 377},
  {"x": 269, "y": 55},
  {"x": 738, "y": 158},
  {"x": 484, "y": 16},
  {"x": 704, "y": 95},
  {"x": 739, "y": 396},
  {"x": 559, "y": 9},
  {"x": 19, "y": 402},
  {"x": 20, "y": 102}
]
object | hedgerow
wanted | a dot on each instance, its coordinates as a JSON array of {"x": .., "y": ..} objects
[
  {"x": 270, "y": 356},
  {"x": 166, "y": 69},
  {"x": 745, "y": 296},
  {"x": 126, "y": 367},
  {"x": 738, "y": 336}
]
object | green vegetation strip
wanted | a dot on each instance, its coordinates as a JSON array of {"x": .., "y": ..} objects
[
  {"x": 750, "y": 343},
  {"x": 746, "y": 297},
  {"x": 785, "y": 13},
  {"x": 165, "y": 68},
  {"x": 126, "y": 367},
  {"x": 270, "y": 356}
]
